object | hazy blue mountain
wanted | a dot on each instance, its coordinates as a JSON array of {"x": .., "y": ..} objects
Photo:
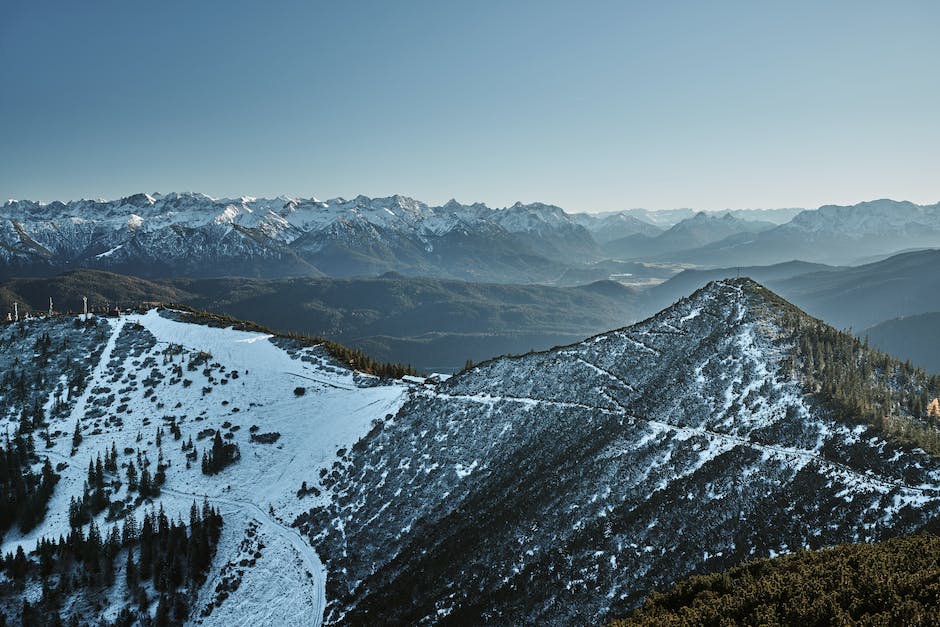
[
  {"x": 831, "y": 234},
  {"x": 701, "y": 229},
  {"x": 912, "y": 337},
  {"x": 862, "y": 296},
  {"x": 688, "y": 281}
]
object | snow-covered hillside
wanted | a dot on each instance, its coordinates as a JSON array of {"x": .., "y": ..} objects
[
  {"x": 148, "y": 371},
  {"x": 554, "y": 488},
  {"x": 562, "y": 487}
]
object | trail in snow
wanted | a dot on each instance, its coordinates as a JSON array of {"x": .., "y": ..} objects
[
  {"x": 252, "y": 510},
  {"x": 321, "y": 381},
  {"x": 642, "y": 345},
  {"x": 333, "y": 414},
  {"x": 78, "y": 410},
  {"x": 803, "y": 455},
  {"x": 605, "y": 373}
]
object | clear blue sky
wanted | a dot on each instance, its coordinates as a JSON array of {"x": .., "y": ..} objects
[{"x": 589, "y": 105}]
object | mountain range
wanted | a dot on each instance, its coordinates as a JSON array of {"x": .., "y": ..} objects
[
  {"x": 831, "y": 234},
  {"x": 565, "y": 485},
  {"x": 194, "y": 235},
  {"x": 847, "y": 297},
  {"x": 692, "y": 233}
]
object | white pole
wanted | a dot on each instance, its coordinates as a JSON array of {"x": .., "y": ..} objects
[
  {"x": 85, "y": 306},
  {"x": 16, "y": 312}
]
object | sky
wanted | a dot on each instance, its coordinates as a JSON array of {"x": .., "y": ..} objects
[{"x": 593, "y": 106}]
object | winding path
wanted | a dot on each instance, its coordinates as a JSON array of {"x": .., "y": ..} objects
[
  {"x": 252, "y": 510},
  {"x": 806, "y": 455}
]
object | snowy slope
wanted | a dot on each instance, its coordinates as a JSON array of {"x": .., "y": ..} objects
[
  {"x": 249, "y": 380},
  {"x": 566, "y": 485},
  {"x": 553, "y": 488}
]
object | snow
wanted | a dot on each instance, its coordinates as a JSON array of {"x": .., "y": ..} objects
[
  {"x": 334, "y": 413},
  {"x": 110, "y": 252},
  {"x": 282, "y": 219}
]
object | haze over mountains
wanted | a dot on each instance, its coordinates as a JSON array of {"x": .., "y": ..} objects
[
  {"x": 434, "y": 324},
  {"x": 442, "y": 323},
  {"x": 438, "y": 324}
]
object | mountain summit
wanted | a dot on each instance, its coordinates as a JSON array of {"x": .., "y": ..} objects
[{"x": 564, "y": 486}]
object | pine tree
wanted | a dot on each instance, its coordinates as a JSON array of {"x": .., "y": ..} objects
[
  {"x": 130, "y": 568},
  {"x": 131, "y": 476},
  {"x": 76, "y": 436},
  {"x": 129, "y": 533},
  {"x": 146, "y": 485}
]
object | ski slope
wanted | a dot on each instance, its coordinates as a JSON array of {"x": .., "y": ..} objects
[{"x": 286, "y": 584}]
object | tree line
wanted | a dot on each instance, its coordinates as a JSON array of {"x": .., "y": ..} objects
[
  {"x": 892, "y": 583},
  {"x": 169, "y": 557},
  {"x": 24, "y": 494}
]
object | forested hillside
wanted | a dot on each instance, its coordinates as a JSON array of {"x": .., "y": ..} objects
[{"x": 896, "y": 582}]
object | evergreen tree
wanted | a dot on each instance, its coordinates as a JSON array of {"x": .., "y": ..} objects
[
  {"x": 76, "y": 436},
  {"x": 131, "y": 476}
]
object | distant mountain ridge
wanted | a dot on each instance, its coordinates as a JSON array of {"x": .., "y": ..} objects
[
  {"x": 831, "y": 234},
  {"x": 194, "y": 235},
  {"x": 914, "y": 337},
  {"x": 699, "y": 230}
]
